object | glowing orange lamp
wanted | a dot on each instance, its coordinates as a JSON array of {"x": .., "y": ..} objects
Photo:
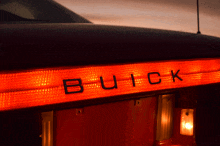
[{"x": 186, "y": 122}]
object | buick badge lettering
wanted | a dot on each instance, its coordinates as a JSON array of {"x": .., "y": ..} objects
[{"x": 78, "y": 82}]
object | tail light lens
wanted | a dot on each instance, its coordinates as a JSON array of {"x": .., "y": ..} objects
[
  {"x": 40, "y": 87},
  {"x": 47, "y": 128},
  {"x": 186, "y": 122},
  {"x": 165, "y": 117}
]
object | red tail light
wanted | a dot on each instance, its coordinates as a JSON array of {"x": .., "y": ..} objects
[{"x": 46, "y": 86}]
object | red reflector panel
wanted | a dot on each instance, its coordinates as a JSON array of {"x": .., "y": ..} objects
[{"x": 58, "y": 85}]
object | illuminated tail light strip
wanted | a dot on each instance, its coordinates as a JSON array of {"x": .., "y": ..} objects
[{"x": 46, "y": 86}]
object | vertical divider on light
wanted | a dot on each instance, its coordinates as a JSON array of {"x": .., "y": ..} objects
[{"x": 47, "y": 128}]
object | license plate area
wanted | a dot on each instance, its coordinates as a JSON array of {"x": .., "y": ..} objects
[{"x": 130, "y": 122}]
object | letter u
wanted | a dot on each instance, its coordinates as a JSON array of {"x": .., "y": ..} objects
[{"x": 115, "y": 84}]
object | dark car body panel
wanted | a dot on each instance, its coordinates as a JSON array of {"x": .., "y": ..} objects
[{"x": 62, "y": 44}]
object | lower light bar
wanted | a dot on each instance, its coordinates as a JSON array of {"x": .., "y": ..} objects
[{"x": 59, "y": 85}]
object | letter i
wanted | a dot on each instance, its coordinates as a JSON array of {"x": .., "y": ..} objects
[{"x": 133, "y": 82}]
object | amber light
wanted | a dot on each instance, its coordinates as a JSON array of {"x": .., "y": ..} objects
[
  {"x": 186, "y": 122},
  {"x": 164, "y": 117},
  {"x": 45, "y": 86}
]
